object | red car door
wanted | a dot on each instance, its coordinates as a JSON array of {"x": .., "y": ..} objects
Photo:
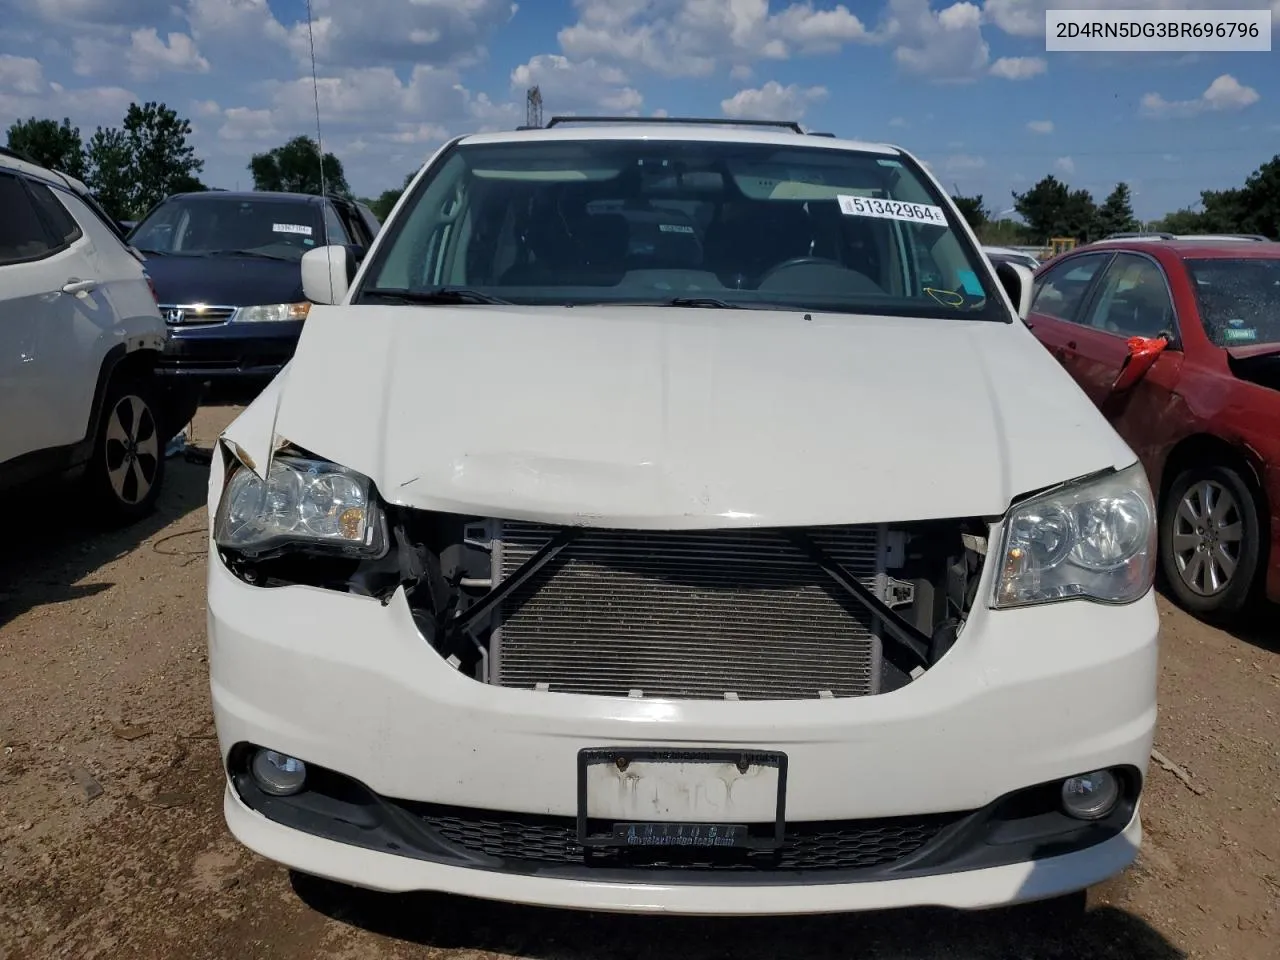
[
  {"x": 1131, "y": 299},
  {"x": 1060, "y": 296}
]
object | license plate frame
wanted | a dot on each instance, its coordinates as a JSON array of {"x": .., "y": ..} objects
[{"x": 615, "y": 832}]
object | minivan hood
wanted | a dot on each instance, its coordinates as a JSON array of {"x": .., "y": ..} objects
[
  {"x": 224, "y": 281},
  {"x": 666, "y": 418}
]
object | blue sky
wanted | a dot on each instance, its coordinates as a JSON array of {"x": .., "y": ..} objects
[{"x": 968, "y": 86}]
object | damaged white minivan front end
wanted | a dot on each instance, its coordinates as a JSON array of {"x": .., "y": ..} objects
[{"x": 580, "y": 565}]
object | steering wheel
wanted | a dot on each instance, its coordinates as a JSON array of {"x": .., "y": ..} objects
[{"x": 799, "y": 262}]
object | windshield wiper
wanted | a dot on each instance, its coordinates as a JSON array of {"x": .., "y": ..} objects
[
  {"x": 707, "y": 302},
  {"x": 442, "y": 295},
  {"x": 711, "y": 302},
  {"x": 243, "y": 253}
]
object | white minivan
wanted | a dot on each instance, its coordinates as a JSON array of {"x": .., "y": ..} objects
[{"x": 675, "y": 517}]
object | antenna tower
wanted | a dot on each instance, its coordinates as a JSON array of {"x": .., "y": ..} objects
[{"x": 533, "y": 108}]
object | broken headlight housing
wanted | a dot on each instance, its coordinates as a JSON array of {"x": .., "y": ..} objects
[
  {"x": 1094, "y": 539},
  {"x": 303, "y": 504}
]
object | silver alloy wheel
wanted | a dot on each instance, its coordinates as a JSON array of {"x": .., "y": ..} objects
[
  {"x": 132, "y": 449},
  {"x": 1208, "y": 538}
]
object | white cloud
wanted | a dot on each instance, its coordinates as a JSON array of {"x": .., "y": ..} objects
[
  {"x": 1040, "y": 126},
  {"x": 945, "y": 45},
  {"x": 1225, "y": 94},
  {"x": 148, "y": 55},
  {"x": 24, "y": 92},
  {"x": 742, "y": 72},
  {"x": 690, "y": 37},
  {"x": 243, "y": 123},
  {"x": 577, "y": 86},
  {"x": 144, "y": 55},
  {"x": 773, "y": 101},
  {"x": 423, "y": 31},
  {"x": 79, "y": 12},
  {"x": 1019, "y": 68},
  {"x": 1065, "y": 165},
  {"x": 20, "y": 74}
]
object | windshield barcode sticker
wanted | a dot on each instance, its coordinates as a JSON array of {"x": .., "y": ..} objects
[
  {"x": 298, "y": 228},
  {"x": 891, "y": 210}
]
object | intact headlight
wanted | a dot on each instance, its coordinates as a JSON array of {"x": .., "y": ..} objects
[
  {"x": 1095, "y": 539},
  {"x": 303, "y": 503},
  {"x": 272, "y": 312}
]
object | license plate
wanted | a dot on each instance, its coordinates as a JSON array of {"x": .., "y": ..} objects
[{"x": 681, "y": 798}]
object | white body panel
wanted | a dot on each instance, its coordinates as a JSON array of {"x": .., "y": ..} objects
[
  {"x": 53, "y": 343},
  {"x": 648, "y": 417}
]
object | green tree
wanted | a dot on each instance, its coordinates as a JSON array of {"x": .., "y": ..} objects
[
  {"x": 1116, "y": 213},
  {"x": 1181, "y": 221},
  {"x": 50, "y": 144},
  {"x": 110, "y": 172},
  {"x": 164, "y": 162},
  {"x": 383, "y": 205},
  {"x": 973, "y": 210},
  {"x": 1052, "y": 209},
  {"x": 134, "y": 167},
  {"x": 295, "y": 167}
]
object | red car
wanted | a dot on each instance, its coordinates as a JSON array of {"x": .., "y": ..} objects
[{"x": 1178, "y": 343}]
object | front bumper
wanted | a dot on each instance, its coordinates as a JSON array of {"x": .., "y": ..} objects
[
  {"x": 229, "y": 351},
  {"x": 1026, "y": 697}
]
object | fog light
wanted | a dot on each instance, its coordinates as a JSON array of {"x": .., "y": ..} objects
[
  {"x": 1091, "y": 796},
  {"x": 278, "y": 774}
]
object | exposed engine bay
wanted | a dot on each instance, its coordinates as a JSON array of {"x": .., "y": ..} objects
[{"x": 750, "y": 614}]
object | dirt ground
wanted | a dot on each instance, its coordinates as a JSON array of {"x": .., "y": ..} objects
[{"x": 112, "y": 842}]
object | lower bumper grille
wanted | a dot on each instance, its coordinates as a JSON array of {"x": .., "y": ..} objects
[
  {"x": 687, "y": 615},
  {"x": 831, "y": 845}
]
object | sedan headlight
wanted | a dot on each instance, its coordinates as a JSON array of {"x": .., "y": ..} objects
[
  {"x": 272, "y": 313},
  {"x": 1094, "y": 539},
  {"x": 312, "y": 504}
]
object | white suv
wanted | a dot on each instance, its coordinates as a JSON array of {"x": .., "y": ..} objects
[
  {"x": 79, "y": 333},
  {"x": 678, "y": 518}
]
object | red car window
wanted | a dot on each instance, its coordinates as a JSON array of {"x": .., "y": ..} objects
[
  {"x": 1062, "y": 290},
  {"x": 1133, "y": 299}
]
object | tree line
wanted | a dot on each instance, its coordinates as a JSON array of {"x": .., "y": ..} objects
[
  {"x": 1052, "y": 209},
  {"x": 132, "y": 167}
]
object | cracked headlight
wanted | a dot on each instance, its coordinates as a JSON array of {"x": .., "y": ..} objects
[
  {"x": 272, "y": 313},
  {"x": 1094, "y": 539},
  {"x": 310, "y": 504}
]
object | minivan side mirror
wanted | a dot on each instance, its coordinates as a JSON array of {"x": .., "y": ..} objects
[
  {"x": 1019, "y": 283},
  {"x": 327, "y": 273},
  {"x": 1142, "y": 356}
]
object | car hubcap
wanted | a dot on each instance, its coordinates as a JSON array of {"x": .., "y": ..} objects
[
  {"x": 1208, "y": 534},
  {"x": 132, "y": 449}
]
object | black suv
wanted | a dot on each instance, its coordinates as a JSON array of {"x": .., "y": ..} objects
[{"x": 227, "y": 274}]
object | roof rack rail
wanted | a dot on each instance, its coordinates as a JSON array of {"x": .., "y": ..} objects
[
  {"x": 6, "y": 152},
  {"x": 791, "y": 125},
  {"x": 1141, "y": 235}
]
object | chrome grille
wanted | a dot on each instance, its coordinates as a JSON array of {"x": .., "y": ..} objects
[
  {"x": 687, "y": 615},
  {"x": 190, "y": 314}
]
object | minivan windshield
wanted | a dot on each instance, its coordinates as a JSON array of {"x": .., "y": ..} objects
[
  {"x": 681, "y": 223},
  {"x": 1239, "y": 300},
  {"x": 209, "y": 225}
]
